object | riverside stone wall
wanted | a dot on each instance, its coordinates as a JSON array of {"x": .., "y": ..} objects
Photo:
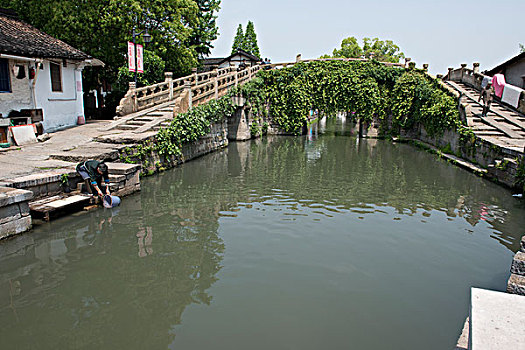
[
  {"x": 154, "y": 162},
  {"x": 235, "y": 128},
  {"x": 498, "y": 163},
  {"x": 14, "y": 211},
  {"x": 516, "y": 283}
]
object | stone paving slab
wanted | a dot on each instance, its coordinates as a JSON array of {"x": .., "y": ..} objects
[
  {"x": 497, "y": 320},
  {"x": 122, "y": 168},
  {"x": 463, "y": 338},
  {"x": 35, "y": 158},
  {"x": 125, "y": 137},
  {"x": 41, "y": 178},
  {"x": 15, "y": 227},
  {"x": 12, "y": 195}
]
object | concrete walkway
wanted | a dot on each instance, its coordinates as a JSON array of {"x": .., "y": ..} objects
[
  {"x": 65, "y": 149},
  {"x": 34, "y": 158}
]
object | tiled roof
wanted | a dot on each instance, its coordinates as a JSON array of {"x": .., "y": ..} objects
[
  {"x": 211, "y": 61},
  {"x": 505, "y": 64},
  {"x": 242, "y": 53},
  {"x": 21, "y": 39}
]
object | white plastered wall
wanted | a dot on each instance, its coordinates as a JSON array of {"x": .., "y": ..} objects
[
  {"x": 61, "y": 109},
  {"x": 20, "y": 96}
]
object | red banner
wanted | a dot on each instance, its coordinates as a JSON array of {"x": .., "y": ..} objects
[
  {"x": 140, "y": 59},
  {"x": 131, "y": 56}
]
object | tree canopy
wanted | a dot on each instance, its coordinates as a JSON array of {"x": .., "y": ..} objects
[
  {"x": 181, "y": 30},
  {"x": 384, "y": 51},
  {"x": 205, "y": 30},
  {"x": 246, "y": 41},
  {"x": 250, "y": 40},
  {"x": 238, "y": 41}
]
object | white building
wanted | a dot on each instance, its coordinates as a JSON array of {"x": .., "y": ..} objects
[
  {"x": 39, "y": 72},
  {"x": 234, "y": 60}
]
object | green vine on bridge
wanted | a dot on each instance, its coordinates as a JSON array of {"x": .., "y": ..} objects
[
  {"x": 188, "y": 127},
  {"x": 368, "y": 89}
]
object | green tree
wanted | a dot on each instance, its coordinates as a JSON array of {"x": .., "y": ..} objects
[
  {"x": 101, "y": 28},
  {"x": 349, "y": 49},
  {"x": 522, "y": 48},
  {"x": 154, "y": 68},
  {"x": 205, "y": 31},
  {"x": 238, "y": 41},
  {"x": 384, "y": 51},
  {"x": 250, "y": 40}
]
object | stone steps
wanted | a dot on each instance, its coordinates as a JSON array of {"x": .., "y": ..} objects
[
  {"x": 137, "y": 122},
  {"x": 128, "y": 126},
  {"x": 50, "y": 199}
]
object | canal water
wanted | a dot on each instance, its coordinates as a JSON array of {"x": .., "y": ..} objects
[{"x": 316, "y": 242}]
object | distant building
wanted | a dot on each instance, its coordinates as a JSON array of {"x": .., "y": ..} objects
[
  {"x": 234, "y": 60},
  {"x": 513, "y": 70},
  {"x": 40, "y": 76}
]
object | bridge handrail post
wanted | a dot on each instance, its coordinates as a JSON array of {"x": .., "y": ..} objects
[
  {"x": 236, "y": 78},
  {"x": 463, "y": 67},
  {"x": 187, "y": 87},
  {"x": 449, "y": 75},
  {"x": 214, "y": 75},
  {"x": 194, "y": 76},
  {"x": 475, "y": 67},
  {"x": 169, "y": 80},
  {"x": 133, "y": 90}
]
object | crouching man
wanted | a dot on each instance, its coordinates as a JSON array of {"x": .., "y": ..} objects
[{"x": 93, "y": 171}]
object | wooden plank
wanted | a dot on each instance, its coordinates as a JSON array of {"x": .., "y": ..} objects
[
  {"x": 62, "y": 203},
  {"x": 58, "y": 207}
]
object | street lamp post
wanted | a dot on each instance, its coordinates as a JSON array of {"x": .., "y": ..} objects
[{"x": 147, "y": 39}]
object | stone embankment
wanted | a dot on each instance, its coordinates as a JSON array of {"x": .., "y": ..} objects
[{"x": 516, "y": 284}]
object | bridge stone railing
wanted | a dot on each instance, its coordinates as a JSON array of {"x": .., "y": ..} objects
[
  {"x": 473, "y": 78},
  {"x": 203, "y": 86}
]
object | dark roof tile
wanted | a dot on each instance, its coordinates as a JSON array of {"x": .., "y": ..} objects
[{"x": 21, "y": 39}]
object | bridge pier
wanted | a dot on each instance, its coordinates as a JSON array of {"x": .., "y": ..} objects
[{"x": 239, "y": 123}]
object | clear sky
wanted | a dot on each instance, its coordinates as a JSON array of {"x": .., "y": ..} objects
[{"x": 443, "y": 33}]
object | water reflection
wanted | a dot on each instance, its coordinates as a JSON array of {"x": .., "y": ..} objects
[
  {"x": 124, "y": 278},
  {"x": 79, "y": 281}
]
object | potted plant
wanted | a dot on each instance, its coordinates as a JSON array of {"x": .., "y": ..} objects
[{"x": 64, "y": 180}]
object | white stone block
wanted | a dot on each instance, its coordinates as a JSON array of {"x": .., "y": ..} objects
[{"x": 497, "y": 320}]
